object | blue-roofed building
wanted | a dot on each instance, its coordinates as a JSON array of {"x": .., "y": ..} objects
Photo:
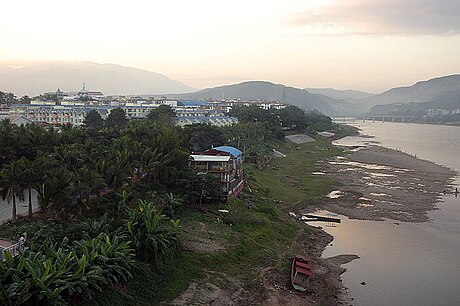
[
  {"x": 225, "y": 164},
  {"x": 232, "y": 150}
]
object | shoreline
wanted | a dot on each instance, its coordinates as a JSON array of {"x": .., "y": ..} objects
[
  {"x": 293, "y": 184},
  {"x": 420, "y": 187}
]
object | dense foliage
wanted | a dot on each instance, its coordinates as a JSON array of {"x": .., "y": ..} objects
[
  {"x": 132, "y": 178},
  {"x": 153, "y": 234},
  {"x": 58, "y": 272}
]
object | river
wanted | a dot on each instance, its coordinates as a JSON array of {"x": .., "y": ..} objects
[{"x": 405, "y": 263}]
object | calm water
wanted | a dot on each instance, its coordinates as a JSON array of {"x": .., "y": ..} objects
[{"x": 409, "y": 263}]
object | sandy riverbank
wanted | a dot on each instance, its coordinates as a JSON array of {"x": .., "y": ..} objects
[
  {"x": 382, "y": 183},
  {"x": 375, "y": 183}
]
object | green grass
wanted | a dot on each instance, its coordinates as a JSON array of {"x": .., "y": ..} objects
[{"x": 290, "y": 179}]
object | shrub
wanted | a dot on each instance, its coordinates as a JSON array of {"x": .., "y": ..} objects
[
  {"x": 55, "y": 273},
  {"x": 154, "y": 236}
]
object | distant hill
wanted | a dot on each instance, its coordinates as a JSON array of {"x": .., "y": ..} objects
[
  {"x": 261, "y": 90},
  {"x": 27, "y": 78},
  {"x": 448, "y": 101},
  {"x": 349, "y": 94},
  {"x": 424, "y": 91}
]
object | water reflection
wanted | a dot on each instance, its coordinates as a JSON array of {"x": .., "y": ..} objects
[
  {"x": 401, "y": 263},
  {"x": 405, "y": 263}
]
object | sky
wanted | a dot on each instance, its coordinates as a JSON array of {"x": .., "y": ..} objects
[{"x": 370, "y": 45}]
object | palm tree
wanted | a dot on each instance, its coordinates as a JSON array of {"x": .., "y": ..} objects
[
  {"x": 54, "y": 191},
  {"x": 12, "y": 184},
  {"x": 121, "y": 169},
  {"x": 86, "y": 182},
  {"x": 33, "y": 174}
]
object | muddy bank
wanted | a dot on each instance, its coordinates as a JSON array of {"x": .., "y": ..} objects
[
  {"x": 382, "y": 183},
  {"x": 326, "y": 286},
  {"x": 274, "y": 287},
  {"x": 375, "y": 183}
]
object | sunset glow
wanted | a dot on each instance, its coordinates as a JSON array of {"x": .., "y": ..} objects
[{"x": 366, "y": 45}]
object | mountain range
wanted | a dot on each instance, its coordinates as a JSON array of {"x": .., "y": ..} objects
[
  {"x": 423, "y": 91},
  {"x": 267, "y": 91},
  {"x": 34, "y": 78},
  {"x": 349, "y": 94}
]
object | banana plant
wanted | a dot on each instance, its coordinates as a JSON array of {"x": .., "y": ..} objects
[{"x": 154, "y": 235}]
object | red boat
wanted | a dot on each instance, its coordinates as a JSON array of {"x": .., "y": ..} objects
[{"x": 301, "y": 273}]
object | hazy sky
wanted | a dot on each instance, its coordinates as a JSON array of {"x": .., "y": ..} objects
[{"x": 362, "y": 44}]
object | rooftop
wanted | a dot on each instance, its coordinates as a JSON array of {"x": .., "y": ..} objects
[
  {"x": 234, "y": 151},
  {"x": 209, "y": 158}
]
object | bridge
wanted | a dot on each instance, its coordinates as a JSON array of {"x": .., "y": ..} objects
[{"x": 373, "y": 118}]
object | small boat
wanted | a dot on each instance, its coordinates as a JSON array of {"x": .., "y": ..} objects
[
  {"x": 321, "y": 218},
  {"x": 301, "y": 273}
]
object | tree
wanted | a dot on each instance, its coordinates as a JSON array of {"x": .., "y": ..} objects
[
  {"x": 55, "y": 190},
  {"x": 200, "y": 137},
  {"x": 7, "y": 98},
  {"x": 12, "y": 179},
  {"x": 93, "y": 120},
  {"x": 33, "y": 174},
  {"x": 116, "y": 119},
  {"x": 120, "y": 169},
  {"x": 293, "y": 117},
  {"x": 25, "y": 100},
  {"x": 164, "y": 114},
  {"x": 85, "y": 182},
  {"x": 254, "y": 113},
  {"x": 318, "y": 121}
]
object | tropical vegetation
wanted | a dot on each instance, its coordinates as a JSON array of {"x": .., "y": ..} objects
[{"x": 111, "y": 194}]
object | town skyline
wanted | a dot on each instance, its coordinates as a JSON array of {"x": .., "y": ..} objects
[{"x": 300, "y": 44}]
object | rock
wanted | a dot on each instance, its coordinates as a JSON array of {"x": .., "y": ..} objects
[{"x": 363, "y": 283}]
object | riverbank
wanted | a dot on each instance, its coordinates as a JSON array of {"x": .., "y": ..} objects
[
  {"x": 378, "y": 183},
  {"x": 402, "y": 263},
  {"x": 364, "y": 183},
  {"x": 245, "y": 255}
]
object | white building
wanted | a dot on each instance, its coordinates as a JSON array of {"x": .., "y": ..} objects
[{"x": 20, "y": 120}]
